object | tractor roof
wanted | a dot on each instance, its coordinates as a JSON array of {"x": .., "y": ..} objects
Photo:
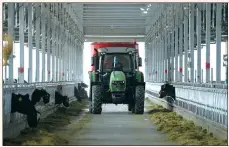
[{"x": 98, "y": 45}]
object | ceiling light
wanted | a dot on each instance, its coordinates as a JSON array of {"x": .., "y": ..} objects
[
  {"x": 145, "y": 12},
  {"x": 142, "y": 9}
]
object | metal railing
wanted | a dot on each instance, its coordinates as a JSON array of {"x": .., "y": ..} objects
[{"x": 208, "y": 103}]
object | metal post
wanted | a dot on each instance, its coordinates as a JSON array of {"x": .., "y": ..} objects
[
  {"x": 70, "y": 45},
  {"x": 227, "y": 61},
  {"x": 53, "y": 50},
  {"x": 218, "y": 41},
  {"x": 57, "y": 52},
  {"x": 195, "y": 77},
  {"x": 30, "y": 42},
  {"x": 181, "y": 52},
  {"x": 37, "y": 79},
  {"x": 21, "y": 38},
  {"x": 166, "y": 58},
  {"x": 211, "y": 75},
  {"x": 162, "y": 60},
  {"x": 156, "y": 61},
  {"x": 202, "y": 75},
  {"x": 10, "y": 33},
  {"x": 48, "y": 45},
  {"x": 146, "y": 63},
  {"x": 159, "y": 59},
  {"x": 148, "y": 47},
  {"x": 61, "y": 62},
  {"x": 208, "y": 17},
  {"x": 186, "y": 45},
  {"x": 172, "y": 56},
  {"x": 150, "y": 53},
  {"x": 71, "y": 49},
  {"x": 64, "y": 57},
  {"x": 77, "y": 61},
  {"x": 74, "y": 64},
  {"x": 191, "y": 40},
  {"x": 169, "y": 57},
  {"x": 198, "y": 26},
  {"x": 43, "y": 40},
  {"x": 153, "y": 61},
  {"x": 176, "y": 49}
]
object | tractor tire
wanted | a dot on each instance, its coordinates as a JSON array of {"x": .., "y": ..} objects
[
  {"x": 96, "y": 99},
  {"x": 139, "y": 100}
]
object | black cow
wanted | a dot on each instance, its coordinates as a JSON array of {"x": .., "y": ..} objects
[
  {"x": 76, "y": 92},
  {"x": 66, "y": 101},
  {"x": 167, "y": 90},
  {"x": 82, "y": 85},
  {"x": 59, "y": 98},
  {"x": 22, "y": 104},
  {"x": 38, "y": 94}
]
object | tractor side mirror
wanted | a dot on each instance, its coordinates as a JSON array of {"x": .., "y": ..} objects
[
  {"x": 95, "y": 61},
  {"x": 139, "y": 61}
]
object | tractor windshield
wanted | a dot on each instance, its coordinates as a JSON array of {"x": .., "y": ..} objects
[{"x": 123, "y": 59}]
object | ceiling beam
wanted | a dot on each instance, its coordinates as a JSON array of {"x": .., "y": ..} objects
[
  {"x": 115, "y": 25},
  {"x": 115, "y": 31},
  {"x": 114, "y": 5},
  {"x": 105, "y": 21},
  {"x": 113, "y": 10},
  {"x": 113, "y": 18},
  {"x": 109, "y": 27},
  {"x": 114, "y": 39}
]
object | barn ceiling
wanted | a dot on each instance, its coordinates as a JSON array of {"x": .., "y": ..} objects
[{"x": 114, "y": 21}]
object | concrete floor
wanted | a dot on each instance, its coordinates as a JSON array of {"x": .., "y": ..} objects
[{"x": 117, "y": 126}]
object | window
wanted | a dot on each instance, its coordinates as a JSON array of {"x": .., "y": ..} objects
[{"x": 123, "y": 59}]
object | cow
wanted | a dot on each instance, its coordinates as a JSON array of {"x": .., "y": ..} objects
[
  {"x": 167, "y": 90},
  {"x": 22, "y": 104},
  {"x": 59, "y": 98},
  {"x": 38, "y": 94}
]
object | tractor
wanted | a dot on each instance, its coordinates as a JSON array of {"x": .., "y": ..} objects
[{"x": 115, "y": 77}]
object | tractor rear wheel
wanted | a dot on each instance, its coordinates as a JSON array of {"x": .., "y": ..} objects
[
  {"x": 96, "y": 99},
  {"x": 139, "y": 100}
]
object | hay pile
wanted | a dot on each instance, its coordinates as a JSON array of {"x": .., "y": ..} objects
[
  {"x": 46, "y": 133},
  {"x": 184, "y": 132}
]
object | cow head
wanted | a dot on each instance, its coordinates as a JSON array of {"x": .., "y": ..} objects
[{"x": 167, "y": 90}]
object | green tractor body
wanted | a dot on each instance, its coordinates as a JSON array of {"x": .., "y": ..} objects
[
  {"x": 116, "y": 79},
  {"x": 117, "y": 82}
]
